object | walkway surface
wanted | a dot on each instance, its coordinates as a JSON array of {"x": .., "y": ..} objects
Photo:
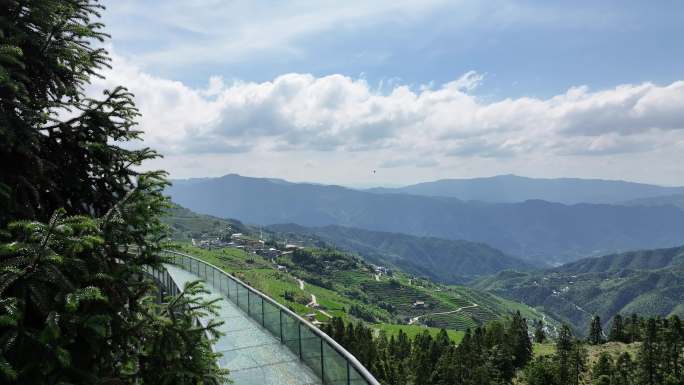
[{"x": 252, "y": 354}]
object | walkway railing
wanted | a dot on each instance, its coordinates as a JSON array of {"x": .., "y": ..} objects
[{"x": 330, "y": 361}]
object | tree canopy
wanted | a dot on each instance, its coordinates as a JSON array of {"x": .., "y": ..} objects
[{"x": 79, "y": 223}]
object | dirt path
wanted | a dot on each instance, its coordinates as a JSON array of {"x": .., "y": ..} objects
[
  {"x": 314, "y": 304},
  {"x": 301, "y": 284},
  {"x": 415, "y": 319}
]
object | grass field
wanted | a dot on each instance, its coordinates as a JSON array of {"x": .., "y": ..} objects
[
  {"x": 594, "y": 351},
  {"x": 413, "y": 330},
  {"x": 389, "y": 300}
]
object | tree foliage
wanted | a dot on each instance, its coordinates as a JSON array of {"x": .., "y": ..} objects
[
  {"x": 80, "y": 223},
  {"x": 486, "y": 355}
]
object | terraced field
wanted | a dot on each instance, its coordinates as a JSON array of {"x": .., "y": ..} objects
[
  {"x": 403, "y": 297},
  {"x": 455, "y": 321},
  {"x": 386, "y": 301}
]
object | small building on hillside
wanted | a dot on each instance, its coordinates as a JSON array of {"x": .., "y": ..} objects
[{"x": 419, "y": 305}]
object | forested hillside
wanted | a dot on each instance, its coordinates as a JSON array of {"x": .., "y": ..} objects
[
  {"x": 649, "y": 282},
  {"x": 439, "y": 259}
]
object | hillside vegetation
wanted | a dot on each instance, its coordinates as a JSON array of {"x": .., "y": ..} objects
[
  {"x": 646, "y": 282},
  {"x": 443, "y": 260},
  {"x": 347, "y": 287}
]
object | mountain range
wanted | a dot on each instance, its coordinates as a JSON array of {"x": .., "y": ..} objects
[
  {"x": 513, "y": 188},
  {"x": 545, "y": 233},
  {"x": 644, "y": 282}
]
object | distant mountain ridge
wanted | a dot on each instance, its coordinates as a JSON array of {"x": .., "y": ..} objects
[
  {"x": 513, "y": 188},
  {"x": 443, "y": 260},
  {"x": 648, "y": 282},
  {"x": 676, "y": 200},
  {"x": 537, "y": 230}
]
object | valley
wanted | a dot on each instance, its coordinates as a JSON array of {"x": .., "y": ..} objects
[{"x": 323, "y": 282}]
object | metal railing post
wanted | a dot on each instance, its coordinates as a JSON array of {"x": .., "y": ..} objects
[
  {"x": 348, "y": 374},
  {"x": 249, "y": 305},
  {"x": 299, "y": 331},
  {"x": 280, "y": 312},
  {"x": 322, "y": 365}
]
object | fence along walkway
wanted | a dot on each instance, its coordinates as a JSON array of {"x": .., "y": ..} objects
[{"x": 264, "y": 342}]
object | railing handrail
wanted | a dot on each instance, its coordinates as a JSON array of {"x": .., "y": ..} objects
[{"x": 367, "y": 376}]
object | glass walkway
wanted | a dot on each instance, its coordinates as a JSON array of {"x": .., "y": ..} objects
[
  {"x": 252, "y": 354},
  {"x": 265, "y": 343}
]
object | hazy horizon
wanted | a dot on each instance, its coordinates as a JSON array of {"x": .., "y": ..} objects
[{"x": 371, "y": 185}]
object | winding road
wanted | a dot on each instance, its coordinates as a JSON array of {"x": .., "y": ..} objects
[{"x": 415, "y": 319}]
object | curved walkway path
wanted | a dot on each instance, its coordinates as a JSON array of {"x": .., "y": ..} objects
[{"x": 250, "y": 352}]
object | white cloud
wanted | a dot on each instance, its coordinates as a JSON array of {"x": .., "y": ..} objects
[{"x": 402, "y": 127}]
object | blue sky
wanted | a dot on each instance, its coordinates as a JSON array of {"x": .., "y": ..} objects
[
  {"x": 533, "y": 48},
  {"x": 564, "y": 68}
]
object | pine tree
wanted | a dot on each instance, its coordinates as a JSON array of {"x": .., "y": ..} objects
[
  {"x": 521, "y": 346},
  {"x": 578, "y": 363},
  {"x": 634, "y": 329},
  {"x": 649, "y": 356},
  {"x": 539, "y": 333},
  {"x": 596, "y": 331},
  {"x": 617, "y": 332},
  {"x": 673, "y": 351},
  {"x": 79, "y": 224},
  {"x": 624, "y": 370},
  {"x": 564, "y": 345},
  {"x": 542, "y": 370},
  {"x": 602, "y": 371}
]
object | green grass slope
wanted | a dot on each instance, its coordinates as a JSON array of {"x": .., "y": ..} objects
[
  {"x": 343, "y": 283},
  {"x": 449, "y": 261}
]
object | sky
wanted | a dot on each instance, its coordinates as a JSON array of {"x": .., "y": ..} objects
[{"x": 367, "y": 93}]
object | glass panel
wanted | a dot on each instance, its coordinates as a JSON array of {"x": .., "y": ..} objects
[
  {"x": 355, "y": 378},
  {"x": 255, "y": 307},
  {"x": 290, "y": 333},
  {"x": 334, "y": 366},
  {"x": 232, "y": 288},
  {"x": 311, "y": 349},
  {"x": 221, "y": 282},
  {"x": 203, "y": 271},
  {"x": 211, "y": 276},
  {"x": 272, "y": 319},
  {"x": 243, "y": 297}
]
